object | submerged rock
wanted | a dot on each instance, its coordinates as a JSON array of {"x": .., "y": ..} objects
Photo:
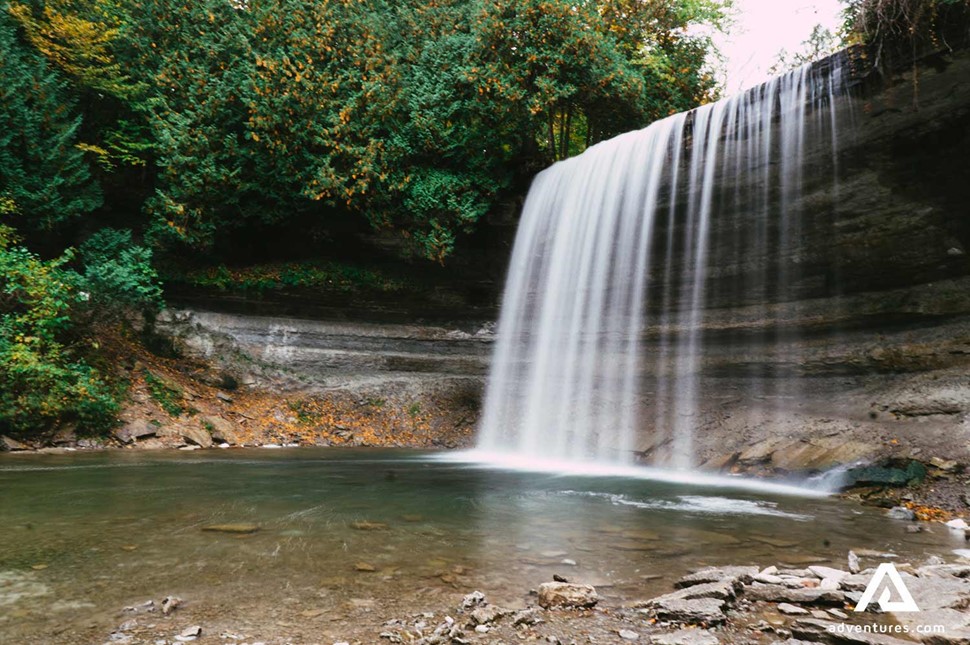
[
  {"x": 238, "y": 528},
  {"x": 568, "y": 595},
  {"x": 366, "y": 525}
]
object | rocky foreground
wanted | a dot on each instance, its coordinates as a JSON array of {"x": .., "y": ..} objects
[{"x": 730, "y": 604}]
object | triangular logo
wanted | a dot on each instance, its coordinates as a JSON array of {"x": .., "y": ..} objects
[{"x": 905, "y": 602}]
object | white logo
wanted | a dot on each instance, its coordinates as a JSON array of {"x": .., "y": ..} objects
[{"x": 906, "y": 602}]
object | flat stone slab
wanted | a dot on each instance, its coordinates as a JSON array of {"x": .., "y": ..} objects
[
  {"x": 724, "y": 590},
  {"x": 779, "y": 593},
  {"x": 718, "y": 574},
  {"x": 685, "y": 637},
  {"x": 702, "y": 611}
]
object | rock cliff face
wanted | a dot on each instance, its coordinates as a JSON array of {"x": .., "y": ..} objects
[{"x": 864, "y": 354}]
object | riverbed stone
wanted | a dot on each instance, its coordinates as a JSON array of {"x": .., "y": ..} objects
[
  {"x": 827, "y": 572},
  {"x": 239, "y": 528},
  {"x": 487, "y": 614},
  {"x": 791, "y": 610},
  {"x": 528, "y": 617},
  {"x": 568, "y": 595},
  {"x": 779, "y": 593},
  {"x": 702, "y": 611},
  {"x": 685, "y": 637},
  {"x": 721, "y": 590},
  {"x": 742, "y": 574}
]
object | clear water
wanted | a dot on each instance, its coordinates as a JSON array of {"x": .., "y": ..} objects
[{"x": 84, "y": 535}]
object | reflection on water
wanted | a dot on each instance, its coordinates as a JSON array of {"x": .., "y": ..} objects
[{"x": 84, "y": 535}]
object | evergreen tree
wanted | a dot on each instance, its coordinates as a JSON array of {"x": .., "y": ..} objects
[{"x": 44, "y": 176}]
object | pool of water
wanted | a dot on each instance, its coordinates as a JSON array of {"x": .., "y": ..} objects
[{"x": 84, "y": 535}]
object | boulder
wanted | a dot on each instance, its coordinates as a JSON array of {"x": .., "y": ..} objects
[
  {"x": 195, "y": 435},
  {"x": 135, "y": 430},
  {"x": 221, "y": 430},
  {"x": 568, "y": 595}
]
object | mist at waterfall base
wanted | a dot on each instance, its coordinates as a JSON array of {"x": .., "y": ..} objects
[{"x": 617, "y": 241}]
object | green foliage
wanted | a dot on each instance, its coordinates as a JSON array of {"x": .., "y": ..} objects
[
  {"x": 44, "y": 379},
  {"x": 117, "y": 275},
  {"x": 168, "y": 397},
  {"x": 44, "y": 177},
  {"x": 323, "y": 275},
  {"x": 418, "y": 116}
]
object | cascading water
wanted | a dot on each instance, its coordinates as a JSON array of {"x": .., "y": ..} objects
[{"x": 618, "y": 240}]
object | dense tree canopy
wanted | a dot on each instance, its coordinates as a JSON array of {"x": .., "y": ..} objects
[{"x": 416, "y": 115}]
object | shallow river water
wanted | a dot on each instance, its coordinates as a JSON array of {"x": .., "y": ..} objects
[{"x": 84, "y": 535}]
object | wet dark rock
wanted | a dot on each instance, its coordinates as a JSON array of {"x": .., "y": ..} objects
[
  {"x": 886, "y": 475},
  {"x": 567, "y": 595}
]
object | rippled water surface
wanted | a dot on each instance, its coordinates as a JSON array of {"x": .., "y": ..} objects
[{"x": 83, "y": 535}]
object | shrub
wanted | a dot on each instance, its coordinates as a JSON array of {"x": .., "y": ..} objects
[{"x": 44, "y": 380}]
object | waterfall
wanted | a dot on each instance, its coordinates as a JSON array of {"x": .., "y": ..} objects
[{"x": 617, "y": 241}]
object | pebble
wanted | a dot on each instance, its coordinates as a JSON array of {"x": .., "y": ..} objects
[
  {"x": 958, "y": 524},
  {"x": 189, "y": 634},
  {"x": 481, "y": 629},
  {"x": 627, "y": 635}
]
